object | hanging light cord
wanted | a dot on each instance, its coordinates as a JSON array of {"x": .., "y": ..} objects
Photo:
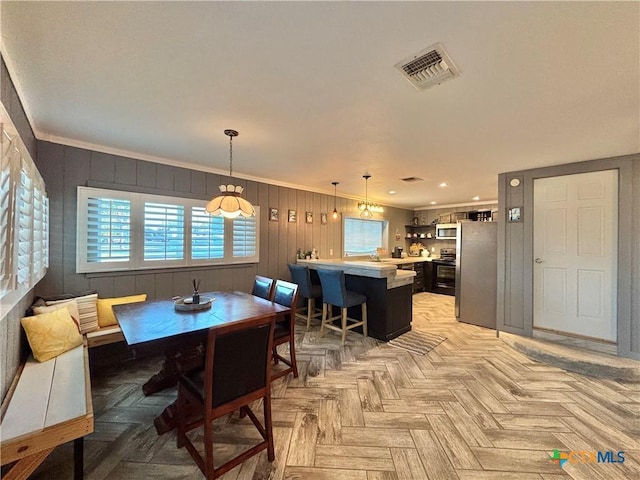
[{"x": 231, "y": 133}]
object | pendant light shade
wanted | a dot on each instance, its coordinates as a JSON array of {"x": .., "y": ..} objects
[
  {"x": 366, "y": 213},
  {"x": 229, "y": 203},
  {"x": 335, "y": 210}
]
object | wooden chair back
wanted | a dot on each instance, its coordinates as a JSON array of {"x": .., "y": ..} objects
[{"x": 262, "y": 287}]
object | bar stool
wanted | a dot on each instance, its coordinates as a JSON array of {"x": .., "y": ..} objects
[
  {"x": 334, "y": 292},
  {"x": 300, "y": 275}
]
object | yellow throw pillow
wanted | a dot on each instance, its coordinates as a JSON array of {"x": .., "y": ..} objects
[
  {"x": 51, "y": 334},
  {"x": 105, "y": 313}
]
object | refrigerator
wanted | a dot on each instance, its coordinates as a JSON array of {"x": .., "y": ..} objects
[{"x": 476, "y": 273}]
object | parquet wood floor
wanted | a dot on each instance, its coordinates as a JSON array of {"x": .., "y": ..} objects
[{"x": 471, "y": 409}]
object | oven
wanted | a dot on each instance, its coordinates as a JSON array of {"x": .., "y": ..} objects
[{"x": 444, "y": 272}]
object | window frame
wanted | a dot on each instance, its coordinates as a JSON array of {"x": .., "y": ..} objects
[{"x": 136, "y": 260}]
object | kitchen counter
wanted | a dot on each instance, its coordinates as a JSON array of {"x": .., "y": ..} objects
[
  {"x": 388, "y": 290},
  {"x": 407, "y": 260},
  {"x": 386, "y": 269}
]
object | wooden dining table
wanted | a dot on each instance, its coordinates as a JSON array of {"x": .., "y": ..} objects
[{"x": 157, "y": 324}]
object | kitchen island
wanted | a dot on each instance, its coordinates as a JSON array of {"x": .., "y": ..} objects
[{"x": 387, "y": 288}]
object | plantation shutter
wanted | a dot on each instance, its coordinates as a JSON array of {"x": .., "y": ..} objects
[
  {"x": 207, "y": 235},
  {"x": 25, "y": 225},
  {"x": 6, "y": 218},
  {"x": 38, "y": 228},
  {"x": 245, "y": 237},
  {"x": 108, "y": 230},
  {"x": 163, "y": 231}
]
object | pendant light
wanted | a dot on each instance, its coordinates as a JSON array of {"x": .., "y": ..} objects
[
  {"x": 229, "y": 203},
  {"x": 335, "y": 210},
  {"x": 366, "y": 213}
]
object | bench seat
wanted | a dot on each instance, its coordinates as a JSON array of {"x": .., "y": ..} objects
[{"x": 49, "y": 404}]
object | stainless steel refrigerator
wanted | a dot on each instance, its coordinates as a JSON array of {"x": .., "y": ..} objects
[{"x": 476, "y": 273}]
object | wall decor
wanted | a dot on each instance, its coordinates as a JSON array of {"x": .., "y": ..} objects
[
  {"x": 309, "y": 217},
  {"x": 273, "y": 214},
  {"x": 292, "y": 216},
  {"x": 515, "y": 214},
  {"x": 323, "y": 218}
]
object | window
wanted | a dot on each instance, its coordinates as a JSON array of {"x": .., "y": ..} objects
[
  {"x": 24, "y": 218},
  {"x": 163, "y": 232},
  {"x": 129, "y": 231},
  {"x": 207, "y": 235},
  {"x": 107, "y": 229},
  {"x": 9, "y": 152},
  {"x": 363, "y": 237}
]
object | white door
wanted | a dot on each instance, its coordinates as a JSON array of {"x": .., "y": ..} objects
[{"x": 575, "y": 245}]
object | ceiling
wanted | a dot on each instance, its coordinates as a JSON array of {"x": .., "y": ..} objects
[{"x": 312, "y": 88}]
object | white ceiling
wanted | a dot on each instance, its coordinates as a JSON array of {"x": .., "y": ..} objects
[{"x": 312, "y": 89}]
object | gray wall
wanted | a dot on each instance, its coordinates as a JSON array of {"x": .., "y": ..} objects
[
  {"x": 64, "y": 168},
  {"x": 515, "y": 248},
  {"x": 11, "y": 336}
]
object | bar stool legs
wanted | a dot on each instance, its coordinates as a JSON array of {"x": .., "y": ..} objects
[{"x": 327, "y": 320}]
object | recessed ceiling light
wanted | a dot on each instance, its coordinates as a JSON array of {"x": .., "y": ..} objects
[
  {"x": 476, "y": 198},
  {"x": 444, "y": 184},
  {"x": 392, "y": 192},
  {"x": 433, "y": 203}
]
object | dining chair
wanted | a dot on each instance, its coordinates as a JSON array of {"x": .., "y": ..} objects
[
  {"x": 236, "y": 373},
  {"x": 334, "y": 292},
  {"x": 262, "y": 287},
  {"x": 285, "y": 293},
  {"x": 301, "y": 275}
]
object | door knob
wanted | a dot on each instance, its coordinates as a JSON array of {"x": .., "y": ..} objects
[{"x": 538, "y": 260}]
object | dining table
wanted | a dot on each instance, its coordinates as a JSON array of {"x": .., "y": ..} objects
[{"x": 180, "y": 332}]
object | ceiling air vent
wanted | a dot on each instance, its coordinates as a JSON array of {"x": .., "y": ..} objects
[
  {"x": 429, "y": 67},
  {"x": 412, "y": 179}
]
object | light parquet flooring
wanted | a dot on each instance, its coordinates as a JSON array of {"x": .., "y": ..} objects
[{"x": 471, "y": 409}]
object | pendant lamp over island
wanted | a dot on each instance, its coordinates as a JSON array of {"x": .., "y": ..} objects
[
  {"x": 366, "y": 213},
  {"x": 229, "y": 203},
  {"x": 335, "y": 210}
]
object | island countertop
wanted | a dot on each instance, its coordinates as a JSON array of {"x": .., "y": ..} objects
[{"x": 366, "y": 268}]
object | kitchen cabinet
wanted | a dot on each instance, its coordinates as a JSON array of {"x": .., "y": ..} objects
[
  {"x": 428, "y": 276},
  {"x": 418, "y": 280}
]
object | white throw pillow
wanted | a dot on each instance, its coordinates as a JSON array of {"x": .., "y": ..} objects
[{"x": 87, "y": 309}]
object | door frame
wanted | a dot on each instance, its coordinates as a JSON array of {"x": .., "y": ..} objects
[{"x": 515, "y": 247}]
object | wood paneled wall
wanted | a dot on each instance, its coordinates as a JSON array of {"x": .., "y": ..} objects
[{"x": 64, "y": 168}]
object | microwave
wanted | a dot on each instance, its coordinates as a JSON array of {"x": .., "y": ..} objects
[{"x": 446, "y": 231}]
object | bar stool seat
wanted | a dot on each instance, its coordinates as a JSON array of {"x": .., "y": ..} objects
[
  {"x": 301, "y": 276},
  {"x": 335, "y": 293}
]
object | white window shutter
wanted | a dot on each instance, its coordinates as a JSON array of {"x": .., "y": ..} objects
[
  {"x": 207, "y": 235},
  {"x": 163, "y": 232},
  {"x": 245, "y": 237}
]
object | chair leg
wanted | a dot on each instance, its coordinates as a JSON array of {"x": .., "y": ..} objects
[
  {"x": 268, "y": 426},
  {"x": 309, "y": 311},
  {"x": 364, "y": 318},
  {"x": 292, "y": 356},
  {"x": 208, "y": 450},
  {"x": 274, "y": 355},
  {"x": 344, "y": 324},
  {"x": 324, "y": 318}
]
